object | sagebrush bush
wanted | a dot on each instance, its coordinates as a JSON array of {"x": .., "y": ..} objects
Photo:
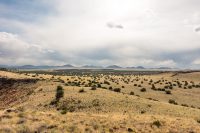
[
  {"x": 143, "y": 90},
  {"x": 153, "y": 87},
  {"x": 99, "y": 85},
  {"x": 81, "y": 90},
  {"x": 130, "y": 129},
  {"x": 157, "y": 123},
  {"x": 168, "y": 92},
  {"x": 63, "y": 111},
  {"x": 172, "y": 101},
  {"x": 110, "y": 88},
  {"x": 185, "y": 105},
  {"x": 93, "y": 87},
  {"x": 117, "y": 90}
]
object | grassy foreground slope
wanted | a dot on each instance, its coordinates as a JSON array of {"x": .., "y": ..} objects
[{"x": 26, "y": 103}]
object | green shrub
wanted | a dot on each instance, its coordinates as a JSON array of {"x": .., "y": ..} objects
[
  {"x": 190, "y": 87},
  {"x": 81, "y": 90},
  {"x": 59, "y": 93},
  {"x": 99, "y": 85},
  {"x": 110, "y": 88},
  {"x": 53, "y": 102},
  {"x": 132, "y": 93},
  {"x": 93, "y": 87},
  {"x": 117, "y": 90},
  {"x": 157, "y": 123},
  {"x": 143, "y": 90},
  {"x": 168, "y": 92},
  {"x": 172, "y": 101},
  {"x": 185, "y": 105},
  {"x": 130, "y": 129},
  {"x": 63, "y": 111},
  {"x": 153, "y": 87},
  {"x": 143, "y": 111}
]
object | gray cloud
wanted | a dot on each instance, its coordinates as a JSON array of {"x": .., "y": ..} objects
[
  {"x": 113, "y": 25},
  {"x": 153, "y": 33},
  {"x": 197, "y": 29},
  {"x": 15, "y": 50}
]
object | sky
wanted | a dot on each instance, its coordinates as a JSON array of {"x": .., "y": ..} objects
[{"x": 149, "y": 33}]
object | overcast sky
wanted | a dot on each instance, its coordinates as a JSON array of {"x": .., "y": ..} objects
[{"x": 151, "y": 33}]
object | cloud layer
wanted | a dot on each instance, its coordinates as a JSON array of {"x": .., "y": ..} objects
[{"x": 126, "y": 33}]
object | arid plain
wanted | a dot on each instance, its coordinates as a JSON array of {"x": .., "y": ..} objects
[{"x": 164, "y": 102}]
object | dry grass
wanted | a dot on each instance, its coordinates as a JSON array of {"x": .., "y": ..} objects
[{"x": 102, "y": 109}]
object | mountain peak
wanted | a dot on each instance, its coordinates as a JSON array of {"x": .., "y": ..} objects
[{"x": 113, "y": 66}]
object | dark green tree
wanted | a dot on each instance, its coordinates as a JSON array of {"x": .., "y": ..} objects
[{"x": 59, "y": 93}]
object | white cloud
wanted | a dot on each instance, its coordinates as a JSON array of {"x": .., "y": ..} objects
[
  {"x": 78, "y": 31},
  {"x": 12, "y": 45},
  {"x": 14, "y": 50},
  {"x": 168, "y": 63},
  {"x": 196, "y": 62}
]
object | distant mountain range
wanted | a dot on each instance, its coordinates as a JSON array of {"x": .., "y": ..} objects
[
  {"x": 91, "y": 66},
  {"x": 138, "y": 67},
  {"x": 69, "y": 66},
  {"x": 37, "y": 67},
  {"x": 113, "y": 66}
]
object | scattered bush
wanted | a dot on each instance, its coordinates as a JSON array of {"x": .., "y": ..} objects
[
  {"x": 153, "y": 87},
  {"x": 185, "y": 87},
  {"x": 173, "y": 101},
  {"x": 63, "y": 111},
  {"x": 53, "y": 102},
  {"x": 117, "y": 90},
  {"x": 190, "y": 87},
  {"x": 99, "y": 85},
  {"x": 185, "y": 105},
  {"x": 130, "y": 129},
  {"x": 93, "y": 87},
  {"x": 162, "y": 89},
  {"x": 192, "y": 106},
  {"x": 157, "y": 123},
  {"x": 81, "y": 90},
  {"x": 110, "y": 88},
  {"x": 132, "y": 93},
  {"x": 168, "y": 92},
  {"x": 143, "y": 111},
  {"x": 143, "y": 90}
]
